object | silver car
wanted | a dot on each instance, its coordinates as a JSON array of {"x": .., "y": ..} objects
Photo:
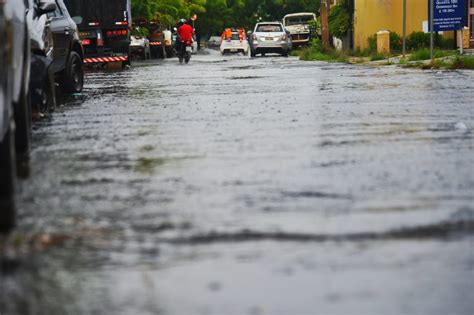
[{"x": 270, "y": 37}]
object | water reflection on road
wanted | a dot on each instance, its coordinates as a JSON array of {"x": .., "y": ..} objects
[{"x": 250, "y": 186}]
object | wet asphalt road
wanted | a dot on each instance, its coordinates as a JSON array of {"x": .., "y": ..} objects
[{"x": 250, "y": 186}]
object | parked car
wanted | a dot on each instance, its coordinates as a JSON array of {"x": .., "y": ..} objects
[
  {"x": 270, "y": 37},
  {"x": 42, "y": 86},
  {"x": 214, "y": 42},
  {"x": 14, "y": 105},
  {"x": 234, "y": 44},
  {"x": 299, "y": 26},
  {"x": 68, "y": 53},
  {"x": 140, "y": 46}
]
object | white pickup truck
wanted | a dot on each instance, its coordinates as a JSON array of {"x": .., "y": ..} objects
[{"x": 298, "y": 25}]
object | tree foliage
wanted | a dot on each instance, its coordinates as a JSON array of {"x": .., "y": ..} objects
[
  {"x": 215, "y": 15},
  {"x": 340, "y": 20}
]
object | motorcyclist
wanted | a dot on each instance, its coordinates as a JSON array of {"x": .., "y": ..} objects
[{"x": 185, "y": 31}]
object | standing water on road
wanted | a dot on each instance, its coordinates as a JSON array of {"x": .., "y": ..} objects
[{"x": 250, "y": 186}]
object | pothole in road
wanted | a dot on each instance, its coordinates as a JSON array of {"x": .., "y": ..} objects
[{"x": 245, "y": 78}]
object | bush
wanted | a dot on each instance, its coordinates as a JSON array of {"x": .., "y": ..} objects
[
  {"x": 418, "y": 40},
  {"x": 463, "y": 62},
  {"x": 339, "y": 21},
  {"x": 421, "y": 54},
  {"x": 372, "y": 43},
  {"x": 316, "y": 51},
  {"x": 396, "y": 42}
]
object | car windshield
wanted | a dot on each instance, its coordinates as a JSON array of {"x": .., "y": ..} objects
[
  {"x": 235, "y": 36},
  {"x": 302, "y": 19},
  {"x": 269, "y": 28}
]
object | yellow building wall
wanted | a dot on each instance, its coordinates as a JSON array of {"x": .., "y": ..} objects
[{"x": 371, "y": 16}]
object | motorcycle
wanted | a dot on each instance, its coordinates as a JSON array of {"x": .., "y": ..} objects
[{"x": 185, "y": 51}]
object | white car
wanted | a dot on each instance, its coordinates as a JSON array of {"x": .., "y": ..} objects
[
  {"x": 140, "y": 46},
  {"x": 299, "y": 26},
  {"x": 235, "y": 44},
  {"x": 270, "y": 37}
]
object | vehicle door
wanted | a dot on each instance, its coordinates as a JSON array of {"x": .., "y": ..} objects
[{"x": 62, "y": 37}]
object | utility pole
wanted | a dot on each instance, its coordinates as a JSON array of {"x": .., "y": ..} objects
[
  {"x": 404, "y": 27},
  {"x": 324, "y": 10},
  {"x": 431, "y": 30}
]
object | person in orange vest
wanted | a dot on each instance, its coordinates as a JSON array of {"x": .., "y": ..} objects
[
  {"x": 241, "y": 33},
  {"x": 227, "y": 34}
]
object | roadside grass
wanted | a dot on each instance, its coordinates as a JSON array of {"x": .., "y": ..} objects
[
  {"x": 421, "y": 54},
  {"x": 445, "y": 59},
  {"x": 328, "y": 55},
  {"x": 295, "y": 52},
  {"x": 463, "y": 62},
  {"x": 425, "y": 54},
  {"x": 377, "y": 57}
]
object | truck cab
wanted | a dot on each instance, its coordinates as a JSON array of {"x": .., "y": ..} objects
[
  {"x": 298, "y": 24},
  {"x": 104, "y": 29}
]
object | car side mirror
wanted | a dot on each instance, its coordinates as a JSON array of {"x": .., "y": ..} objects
[
  {"x": 77, "y": 19},
  {"x": 45, "y": 7}
]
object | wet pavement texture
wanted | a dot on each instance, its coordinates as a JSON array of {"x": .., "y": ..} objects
[{"x": 250, "y": 186}]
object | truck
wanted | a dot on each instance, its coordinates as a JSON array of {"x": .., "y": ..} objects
[
  {"x": 298, "y": 24},
  {"x": 104, "y": 29}
]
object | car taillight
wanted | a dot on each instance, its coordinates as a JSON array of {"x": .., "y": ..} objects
[
  {"x": 117, "y": 33},
  {"x": 188, "y": 43},
  {"x": 121, "y": 23},
  {"x": 85, "y": 42},
  {"x": 284, "y": 37},
  {"x": 94, "y": 24},
  {"x": 254, "y": 37}
]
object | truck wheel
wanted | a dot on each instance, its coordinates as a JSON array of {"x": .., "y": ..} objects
[
  {"x": 73, "y": 76},
  {"x": 22, "y": 115},
  {"x": 7, "y": 181}
]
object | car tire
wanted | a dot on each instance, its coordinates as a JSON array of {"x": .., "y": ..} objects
[
  {"x": 7, "y": 181},
  {"x": 252, "y": 54},
  {"x": 73, "y": 75}
]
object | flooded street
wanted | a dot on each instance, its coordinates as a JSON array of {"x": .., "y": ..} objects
[{"x": 250, "y": 186}]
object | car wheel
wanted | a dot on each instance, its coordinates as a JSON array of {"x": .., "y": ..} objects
[
  {"x": 7, "y": 181},
  {"x": 252, "y": 54},
  {"x": 73, "y": 76},
  {"x": 284, "y": 54}
]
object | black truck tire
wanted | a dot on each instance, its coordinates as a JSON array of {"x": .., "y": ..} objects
[
  {"x": 7, "y": 181},
  {"x": 73, "y": 75}
]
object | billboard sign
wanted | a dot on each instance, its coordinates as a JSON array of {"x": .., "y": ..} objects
[{"x": 449, "y": 15}]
